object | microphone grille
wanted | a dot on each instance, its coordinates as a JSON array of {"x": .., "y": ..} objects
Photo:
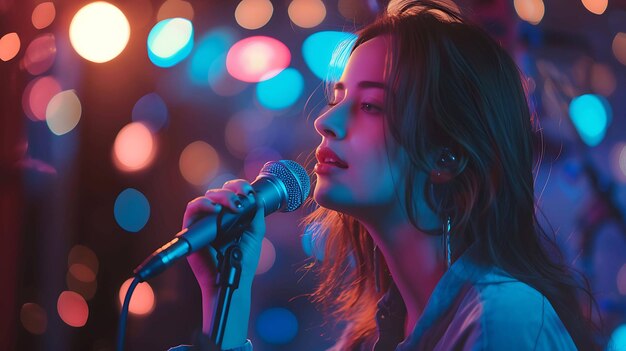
[{"x": 294, "y": 178}]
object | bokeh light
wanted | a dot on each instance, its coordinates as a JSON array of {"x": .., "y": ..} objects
[
  {"x": 246, "y": 131},
  {"x": 531, "y": 11},
  {"x": 170, "y": 41},
  {"x": 82, "y": 272},
  {"x": 80, "y": 254},
  {"x": 142, "y": 302},
  {"x": 621, "y": 280},
  {"x": 596, "y": 6},
  {"x": 313, "y": 241},
  {"x": 221, "y": 82},
  {"x": 257, "y": 158},
  {"x": 280, "y": 91},
  {"x": 9, "y": 46},
  {"x": 326, "y": 53},
  {"x": 257, "y": 58},
  {"x": 150, "y": 110},
  {"x": 34, "y": 318},
  {"x": 134, "y": 147},
  {"x": 199, "y": 163},
  {"x": 277, "y": 325},
  {"x": 63, "y": 112},
  {"x": 618, "y": 161},
  {"x": 268, "y": 256},
  {"x": 43, "y": 15},
  {"x": 210, "y": 49},
  {"x": 37, "y": 95},
  {"x": 603, "y": 79},
  {"x": 86, "y": 289},
  {"x": 175, "y": 8},
  {"x": 99, "y": 32},
  {"x": 591, "y": 115},
  {"x": 618, "y": 339},
  {"x": 253, "y": 14},
  {"x": 40, "y": 54},
  {"x": 72, "y": 309},
  {"x": 619, "y": 47},
  {"x": 131, "y": 210},
  {"x": 307, "y": 13},
  {"x": 357, "y": 11}
]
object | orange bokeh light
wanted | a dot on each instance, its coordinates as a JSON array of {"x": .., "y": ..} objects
[
  {"x": 9, "y": 46},
  {"x": 307, "y": 13},
  {"x": 34, "y": 318},
  {"x": 175, "y": 8},
  {"x": 619, "y": 47},
  {"x": 142, "y": 301},
  {"x": 596, "y": 6},
  {"x": 531, "y": 11},
  {"x": 199, "y": 163},
  {"x": 43, "y": 15},
  {"x": 253, "y": 14},
  {"x": 134, "y": 147},
  {"x": 73, "y": 309}
]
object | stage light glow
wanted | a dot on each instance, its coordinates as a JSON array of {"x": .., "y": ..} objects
[
  {"x": 131, "y": 210},
  {"x": 313, "y": 241},
  {"x": 72, "y": 309},
  {"x": 603, "y": 79},
  {"x": 199, "y": 163},
  {"x": 134, "y": 147},
  {"x": 63, "y": 112},
  {"x": 257, "y": 58},
  {"x": 277, "y": 325},
  {"x": 34, "y": 318},
  {"x": 306, "y": 13},
  {"x": 175, "y": 8},
  {"x": 99, "y": 32},
  {"x": 150, "y": 110},
  {"x": 142, "y": 302},
  {"x": 9, "y": 46},
  {"x": 86, "y": 289},
  {"x": 596, "y": 6},
  {"x": 40, "y": 54},
  {"x": 37, "y": 95},
  {"x": 170, "y": 41},
  {"x": 268, "y": 256},
  {"x": 245, "y": 131},
  {"x": 280, "y": 91},
  {"x": 212, "y": 47},
  {"x": 326, "y": 53},
  {"x": 253, "y": 14},
  {"x": 591, "y": 116},
  {"x": 257, "y": 158},
  {"x": 43, "y": 15},
  {"x": 531, "y": 11},
  {"x": 619, "y": 47},
  {"x": 621, "y": 280},
  {"x": 80, "y": 254},
  {"x": 618, "y": 339}
]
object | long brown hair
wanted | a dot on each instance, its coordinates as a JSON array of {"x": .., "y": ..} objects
[{"x": 454, "y": 87}]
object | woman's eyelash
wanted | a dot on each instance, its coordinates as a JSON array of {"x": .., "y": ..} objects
[{"x": 369, "y": 107}]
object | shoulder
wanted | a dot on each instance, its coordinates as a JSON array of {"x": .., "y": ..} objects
[{"x": 502, "y": 311}]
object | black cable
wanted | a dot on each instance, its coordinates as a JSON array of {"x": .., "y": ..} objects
[{"x": 124, "y": 315}]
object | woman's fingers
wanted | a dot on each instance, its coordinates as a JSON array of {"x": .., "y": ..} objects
[{"x": 198, "y": 207}]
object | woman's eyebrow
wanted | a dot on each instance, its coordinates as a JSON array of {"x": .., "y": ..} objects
[{"x": 362, "y": 84}]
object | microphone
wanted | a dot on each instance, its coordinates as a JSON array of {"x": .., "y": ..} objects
[{"x": 280, "y": 186}]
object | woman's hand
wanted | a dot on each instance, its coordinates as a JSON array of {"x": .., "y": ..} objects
[{"x": 204, "y": 261}]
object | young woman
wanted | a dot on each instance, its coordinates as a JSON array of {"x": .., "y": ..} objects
[{"x": 428, "y": 133}]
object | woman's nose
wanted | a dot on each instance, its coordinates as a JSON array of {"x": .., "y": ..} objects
[{"x": 332, "y": 123}]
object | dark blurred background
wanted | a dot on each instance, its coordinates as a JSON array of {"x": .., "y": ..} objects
[{"x": 115, "y": 115}]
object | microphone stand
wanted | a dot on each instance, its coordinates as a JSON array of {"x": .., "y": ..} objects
[{"x": 228, "y": 277}]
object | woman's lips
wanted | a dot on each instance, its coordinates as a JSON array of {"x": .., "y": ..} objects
[{"x": 326, "y": 156}]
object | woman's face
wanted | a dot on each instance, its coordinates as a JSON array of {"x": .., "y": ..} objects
[{"x": 365, "y": 180}]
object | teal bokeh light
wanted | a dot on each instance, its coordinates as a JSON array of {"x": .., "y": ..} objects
[
  {"x": 618, "y": 339},
  {"x": 170, "y": 41},
  {"x": 280, "y": 91},
  {"x": 277, "y": 325},
  {"x": 591, "y": 115},
  {"x": 131, "y": 210},
  {"x": 212, "y": 47},
  {"x": 326, "y": 53}
]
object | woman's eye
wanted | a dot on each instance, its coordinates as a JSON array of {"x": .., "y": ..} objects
[{"x": 371, "y": 108}]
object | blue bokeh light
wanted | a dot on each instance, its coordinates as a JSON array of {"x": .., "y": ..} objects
[
  {"x": 280, "y": 91},
  {"x": 326, "y": 53},
  {"x": 151, "y": 110},
  {"x": 591, "y": 115},
  {"x": 618, "y": 339},
  {"x": 131, "y": 210},
  {"x": 170, "y": 41},
  {"x": 211, "y": 47},
  {"x": 277, "y": 325}
]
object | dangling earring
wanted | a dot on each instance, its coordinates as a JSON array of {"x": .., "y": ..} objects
[
  {"x": 445, "y": 240},
  {"x": 376, "y": 269}
]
